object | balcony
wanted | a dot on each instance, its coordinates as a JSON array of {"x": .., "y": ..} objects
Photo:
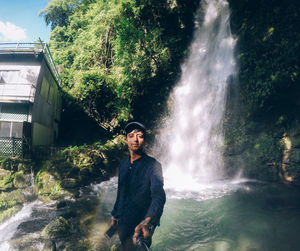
[{"x": 15, "y": 48}]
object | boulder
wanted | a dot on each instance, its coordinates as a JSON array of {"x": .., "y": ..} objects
[
  {"x": 11, "y": 199},
  {"x": 69, "y": 183},
  {"x": 59, "y": 227},
  {"x": 295, "y": 156},
  {"x": 21, "y": 180},
  {"x": 6, "y": 179}
]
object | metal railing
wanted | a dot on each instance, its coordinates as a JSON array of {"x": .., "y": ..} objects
[
  {"x": 42, "y": 46},
  {"x": 20, "y": 147},
  {"x": 45, "y": 152}
]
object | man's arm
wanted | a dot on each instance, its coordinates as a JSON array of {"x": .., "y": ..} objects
[
  {"x": 115, "y": 210},
  {"x": 157, "y": 194},
  {"x": 156, "y": 207}
]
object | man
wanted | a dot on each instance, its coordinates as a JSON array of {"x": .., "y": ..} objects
[{"x": 141, "y": 196}]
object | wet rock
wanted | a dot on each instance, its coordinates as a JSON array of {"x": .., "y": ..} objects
[
  {"x": 5, "y": 179},
  {"x": 74, "y": 172},
  {"x": 85, "y": 175},
  {"x": 25, "y": 166},
  {"x": 10, "y": 164},
  {"x": 50, "y": 246},
  {"x": 296, "y": 141},
  {"x": 10, "y": 203},
  {"x": 6, "y": 213},
  {"x": 62, "y": 204},
  {"x": 10, "y": 199},
  {"x": 46, "y": 184},
  {"x": 21, "y": 180},
  {"x": 59, "y": 227},
  {"x": 69, "y": 183},
  {"x": 4, "y": 173},
  {"x": 31, "y": 226},
  {"x": 295, "y": 155},
  {"x": 62, "y": 181}
]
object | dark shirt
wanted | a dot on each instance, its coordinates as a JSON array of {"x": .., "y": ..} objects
[{"x": 140, "y": 191}]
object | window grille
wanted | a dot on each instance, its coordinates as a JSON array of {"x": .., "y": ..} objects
[
  {"x": 14, "y": 112},
  {"x": 11, "y": 147}
]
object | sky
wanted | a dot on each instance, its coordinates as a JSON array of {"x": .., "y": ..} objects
[{"x": 20, "y": 21}]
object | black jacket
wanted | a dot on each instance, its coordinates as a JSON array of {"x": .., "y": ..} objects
[{"x": 140, "y": 191}]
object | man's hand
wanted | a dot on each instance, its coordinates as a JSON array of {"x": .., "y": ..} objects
[
  {"x": 112, "y": 228},
  {"x": 142, "y": 228},
  {"x": 113, "y": 222}
]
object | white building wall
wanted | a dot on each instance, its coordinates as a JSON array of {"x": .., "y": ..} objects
[{"x": 18, "y": 82}]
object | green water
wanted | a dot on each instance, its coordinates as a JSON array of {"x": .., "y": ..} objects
[{"x": 247, "y": 216}]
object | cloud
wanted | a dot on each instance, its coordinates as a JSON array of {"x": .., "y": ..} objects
[{"x": 11, "y": 32}]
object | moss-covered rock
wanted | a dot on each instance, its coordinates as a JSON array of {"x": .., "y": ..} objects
[
  {"x": 296, "y": 140},
  {"x": 11, "y": 199},
  {"x": 59, "y": 180},
  {"x": 47, "y": 187},
  {"x": 69, "y": 183},
  {"x": 295, "y": 156},
  {"x": 17, "y": 164},
  {"x": 6, "y": 213},
  {"x": 49, "y": 246},
  {"x": 6, "y": 179},
  {"x": 59, "y": 227},
  {"x": 9, "y": 164},
  {"x": 290, "y": 167},
  {"x": 4, "y": 173},
  {"x": 267, "y": 148},
  {"x": 21, "y": 180},
  {"x": 46, "y": 183}
]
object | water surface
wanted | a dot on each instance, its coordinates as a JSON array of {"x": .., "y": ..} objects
[{"x": 248, "y": 216}]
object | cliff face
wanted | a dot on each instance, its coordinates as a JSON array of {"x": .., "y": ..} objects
[{"x": 262, "y": 121}]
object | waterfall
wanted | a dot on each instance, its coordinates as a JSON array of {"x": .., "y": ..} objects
[
  {"x": 190, "y": 142},
  {"x": 10, "y": 226}
]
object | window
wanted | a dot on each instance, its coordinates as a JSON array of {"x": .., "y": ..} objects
[
  {"x": 14, "y": 112},
  {"x": 5, "y": 129},
  {"x": 16, "y": 130},
  {"x": 11, "y": 129}
]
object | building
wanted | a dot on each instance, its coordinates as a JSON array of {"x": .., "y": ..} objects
[{"x": 30, "y": 100}]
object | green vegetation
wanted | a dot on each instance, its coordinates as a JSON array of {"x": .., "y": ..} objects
[
  {"x": 59, "y": 227},
  {"x": 119, "y": 59},
  {"x": 268, "y": 93},
  {"x": 65, "y": 180},
  {"x": 268, "y": 49}
]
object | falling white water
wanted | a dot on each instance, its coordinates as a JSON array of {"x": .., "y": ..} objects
[
  {"x": 190, "y": 142},
  {"x": 9, "y": 227}
]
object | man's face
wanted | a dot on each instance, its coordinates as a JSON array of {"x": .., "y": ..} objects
[{"x": 135, "y": 140}]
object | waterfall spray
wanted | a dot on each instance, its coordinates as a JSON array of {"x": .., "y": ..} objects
[{"x": 190, "y": 142}]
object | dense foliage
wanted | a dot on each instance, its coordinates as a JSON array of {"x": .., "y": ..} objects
[
  {"x": 263, "y": 109},
  {"x": 118, "y": 59},
  {"x": 268, "y": 53}
]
